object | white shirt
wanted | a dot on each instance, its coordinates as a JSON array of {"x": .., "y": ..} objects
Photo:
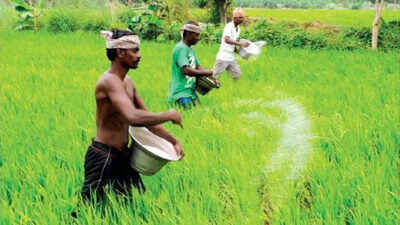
[{"x": 226, "y": 50}]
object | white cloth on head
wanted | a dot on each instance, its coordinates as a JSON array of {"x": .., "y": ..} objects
[
  {"x": 124, "y": 42},
  {"x": 191, "y": 28},
  {"x": 226, "y": 50}
]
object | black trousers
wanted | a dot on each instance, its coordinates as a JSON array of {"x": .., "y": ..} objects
[{"x": 106, "y": 166}]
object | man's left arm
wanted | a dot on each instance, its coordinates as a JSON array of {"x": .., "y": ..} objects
[
  {"x": 158, "y": 130},
  {"x": 216, "y": 82}
]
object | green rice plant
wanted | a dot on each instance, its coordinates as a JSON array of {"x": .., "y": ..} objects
[
  {"x": 350, "y": 98},
  {"x": 358, "y": 18}
]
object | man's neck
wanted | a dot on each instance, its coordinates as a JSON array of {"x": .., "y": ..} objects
[
  {"x": 118, "y": 69},
  {"x": 185, "y": 42}
]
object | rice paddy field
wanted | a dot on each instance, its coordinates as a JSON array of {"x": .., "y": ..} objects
[
  {"x": 340, "y": 17},
  {"x": 305, "y": 137},
  {"x": 344, "y": 17}
]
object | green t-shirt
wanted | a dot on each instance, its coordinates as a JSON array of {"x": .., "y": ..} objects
[{"x": 182, "y": 86}]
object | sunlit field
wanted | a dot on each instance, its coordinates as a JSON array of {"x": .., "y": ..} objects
[
  {"x": 348, "y": 173},
  {"x": 340, "y": 17}
]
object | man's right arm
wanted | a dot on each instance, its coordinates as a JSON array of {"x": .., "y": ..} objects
[
  {"x": 227, "y": 36},
  {"x": 119, "y": 99},
  {"x": 228, "y": 40},
  {"x": 199, "y": 72},
  {"x": 183, "y": 63}
]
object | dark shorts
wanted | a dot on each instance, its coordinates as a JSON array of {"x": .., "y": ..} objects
[
  {"x": 186, "y": 102},
  {"x": 106, "y": 166}
]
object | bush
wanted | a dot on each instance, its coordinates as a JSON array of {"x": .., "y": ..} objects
[
  {"x": 96, "y": 24},
  {"x": 363, "y": 35},
  {"x": 172, "y": 31},
  {"x": 200, "y": 3},
  {"x": 284, "y": 33},
  {"x": 211, "y": 34},
  {"x": 62, "y": 22},
  {"x": 125, "y": 15},
  {"x": 147, "y": 26},
  {"x": 389, "y": 35}
]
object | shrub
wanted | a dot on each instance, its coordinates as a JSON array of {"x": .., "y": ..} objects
[
  {"x": 363, "y": 35},
  {"x": 200, "y": 3},
  {"x": 211, "y": 34},
  {"x": 389, "y": 35},
  {"x": 147, "y": 26},
  {"x": 96, "y": 24},
  {"x": 62, "y": 22},
  {"x": 172, "y": 31},
  {"x": 125, "y": 15}
]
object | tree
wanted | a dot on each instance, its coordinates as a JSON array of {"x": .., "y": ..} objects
[
  {"x": 375, "y": 25},
  {"x": 221, "y": 7},
  {"x": 28, "y": 13}
]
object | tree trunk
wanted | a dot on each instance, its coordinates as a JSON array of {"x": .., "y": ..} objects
[
  {"x": 36, "y": 19},
  {"x": 375, "y": 24},
  {"x": 222, "y": 11}
]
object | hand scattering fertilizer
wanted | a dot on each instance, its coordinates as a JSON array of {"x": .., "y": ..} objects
[
  {"x": 150, "y": 152},
  {"x": 254, "y": 49}
]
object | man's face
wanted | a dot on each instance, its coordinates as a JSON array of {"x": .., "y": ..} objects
[
  {"x": 238, "y": 18},
  {"x": 194, "y": 38},
  {"x": 131, "y": 57}
]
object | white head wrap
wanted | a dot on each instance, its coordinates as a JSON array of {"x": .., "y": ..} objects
[
  {"x": 124, "y": 42},
  {"x": 191, "y": 28},
  {"x": 238, "y": 12}
]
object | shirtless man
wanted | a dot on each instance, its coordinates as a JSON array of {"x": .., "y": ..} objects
[{"x": 119, "y": 106}]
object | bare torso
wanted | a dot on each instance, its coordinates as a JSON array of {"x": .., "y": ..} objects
[{"x": 112, "y": 127}]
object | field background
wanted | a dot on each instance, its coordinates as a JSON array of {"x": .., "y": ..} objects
[
  {"x": 340, "y": 17},
  {"x": 351, "y": 98}
]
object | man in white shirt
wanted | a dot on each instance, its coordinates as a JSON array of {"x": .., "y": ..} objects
[{"x": 225, "y": 57}]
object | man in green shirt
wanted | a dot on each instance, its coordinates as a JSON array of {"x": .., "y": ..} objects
[{"x": 186, "y": 68}]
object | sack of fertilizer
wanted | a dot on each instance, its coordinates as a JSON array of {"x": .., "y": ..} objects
[{"x": 254, "y": 49}]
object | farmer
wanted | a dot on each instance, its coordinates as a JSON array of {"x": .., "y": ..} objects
[
  {"x": 119, "y": 105},
  {"x": 225, "y": 57},
  {"x": 186, "y": 68}
]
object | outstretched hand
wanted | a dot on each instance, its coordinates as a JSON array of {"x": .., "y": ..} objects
[
  {"x": 176, "y": 118},
  {"x": 244, "y": 44},
  {"x": 216, "y": 82},
  {"x": 179, "y": 150}
]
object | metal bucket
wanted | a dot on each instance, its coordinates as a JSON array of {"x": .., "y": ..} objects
[
  {"x": 149, "y": 151},
  {"x": 204, "y": 85}
]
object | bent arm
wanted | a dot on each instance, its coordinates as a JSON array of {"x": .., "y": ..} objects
[
  {"x": 228, "y": 40},
  {"x": 158, "y": 130},
  {"x": 136, "y": 117},
  {"x": 198, "y": 72}
]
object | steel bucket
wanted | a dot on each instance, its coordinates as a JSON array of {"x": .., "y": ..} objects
[{"x": 149, "y": 151}]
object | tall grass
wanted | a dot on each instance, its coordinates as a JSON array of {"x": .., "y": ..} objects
[
  {"x": 351, "y": 98},
  {"x": 344, "y": 17},
  {"x": 340, "y": 17},
  {"x": 353, "y": 4}
]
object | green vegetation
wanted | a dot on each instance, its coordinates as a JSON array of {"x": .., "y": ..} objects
[
  {"x": 278, "y": 27},
  {"x": 343, "y": 17},
  {"x": 351, "y": 4},
  {"x": 351, "y": 99}
]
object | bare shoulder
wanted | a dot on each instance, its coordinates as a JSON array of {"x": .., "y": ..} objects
[
  {"x": 106, "y": 83},
  {"x": 129, "y": 83}
]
